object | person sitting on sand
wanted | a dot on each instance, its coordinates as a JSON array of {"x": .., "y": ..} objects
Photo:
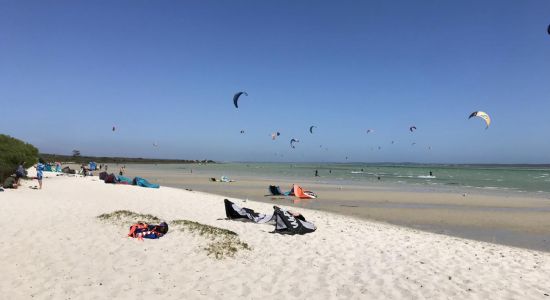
[{"x": 10, "y": 183}]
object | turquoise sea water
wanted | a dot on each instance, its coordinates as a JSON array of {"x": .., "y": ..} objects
[{"x": 499, "y": 177}]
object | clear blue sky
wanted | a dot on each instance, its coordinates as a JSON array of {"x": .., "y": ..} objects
[{"x": 166, "y": 71}]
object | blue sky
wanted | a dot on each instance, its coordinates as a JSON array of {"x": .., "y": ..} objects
[{"x": 165, "y": 72}]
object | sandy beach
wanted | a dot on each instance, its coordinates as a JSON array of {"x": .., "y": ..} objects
[
  {"x": 55, "y": 247},
  {"x": 510, "y": 218},
  {"x": 275, "y": 150}
]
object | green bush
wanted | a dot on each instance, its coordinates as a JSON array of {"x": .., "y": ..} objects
[{"x": 12, "y": 153}]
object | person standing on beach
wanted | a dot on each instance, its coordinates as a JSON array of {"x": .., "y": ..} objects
[
  {"x": 20, "y": 172},
  {"x": 83, "y": 170},
  {"x": 40, "y": 172}
]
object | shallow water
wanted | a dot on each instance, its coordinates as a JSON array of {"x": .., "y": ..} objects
[
  {"x": 493, "y": 204},
  {"x": 495, "y": 178}
]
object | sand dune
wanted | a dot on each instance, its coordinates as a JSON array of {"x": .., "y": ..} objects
[{"x": 54, "y": 247}]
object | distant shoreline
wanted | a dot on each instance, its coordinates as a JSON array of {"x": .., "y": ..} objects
[
  {"x": 105, "y": 159},
  {"x": 398, "y": 164}
]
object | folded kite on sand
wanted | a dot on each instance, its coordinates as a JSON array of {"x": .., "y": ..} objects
[
  {"x": 286, "y": 222},
  {"x": 233, "y": 211},
  {"x": 112, "y": 178},
  {"x": 222, "y": 179},
  {"x": 296, "y": 191}
]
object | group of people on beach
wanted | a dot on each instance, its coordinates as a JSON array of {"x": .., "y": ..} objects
[{"x": 14, "y": 181}]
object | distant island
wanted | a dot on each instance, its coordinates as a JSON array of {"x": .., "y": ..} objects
[{"x": 118, "y": 160}]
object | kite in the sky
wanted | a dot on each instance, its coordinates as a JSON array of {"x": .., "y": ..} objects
[
  {"x": 370, "y": 130},
  {"x": 311, "y": 128},
  {"x": 412, "y": 128},
  {"x": 274, "y": 135},
  {"x": 114, "y": 128},
  {"x": 236, "y": 98},
  {"x": 242, "y": 131},
  {"x": 292, "y": 141},
  {"x": 482, "y": 115}
]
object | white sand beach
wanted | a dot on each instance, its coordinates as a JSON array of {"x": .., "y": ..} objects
[{"x": 55, "y": 247}]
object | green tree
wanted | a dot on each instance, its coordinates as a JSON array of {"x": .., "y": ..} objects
[{"x": 12, "y": 153}]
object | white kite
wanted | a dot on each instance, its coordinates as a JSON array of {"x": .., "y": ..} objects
[{"x": 482, "y": 115}]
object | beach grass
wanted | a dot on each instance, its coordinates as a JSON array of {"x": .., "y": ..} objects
[
  {"x": 126, "y": 215},
  {"x": 202, "y": 229},
  {"x": 222, "y": 242}
]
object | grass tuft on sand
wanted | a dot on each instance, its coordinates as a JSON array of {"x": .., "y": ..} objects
[
  {"x": 126, "y": 215},
  {"x": 202, "y": 229},
  {"x": 222, "y": 243},
  {"x": 226, "y": 247}
]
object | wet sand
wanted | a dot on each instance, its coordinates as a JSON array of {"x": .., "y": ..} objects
[{"x": 505, "y": 218}]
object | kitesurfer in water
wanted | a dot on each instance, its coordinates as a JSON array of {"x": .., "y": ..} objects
[
  {"x": 316, "y": 173},
  {"x": 431, "y": 174}
]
